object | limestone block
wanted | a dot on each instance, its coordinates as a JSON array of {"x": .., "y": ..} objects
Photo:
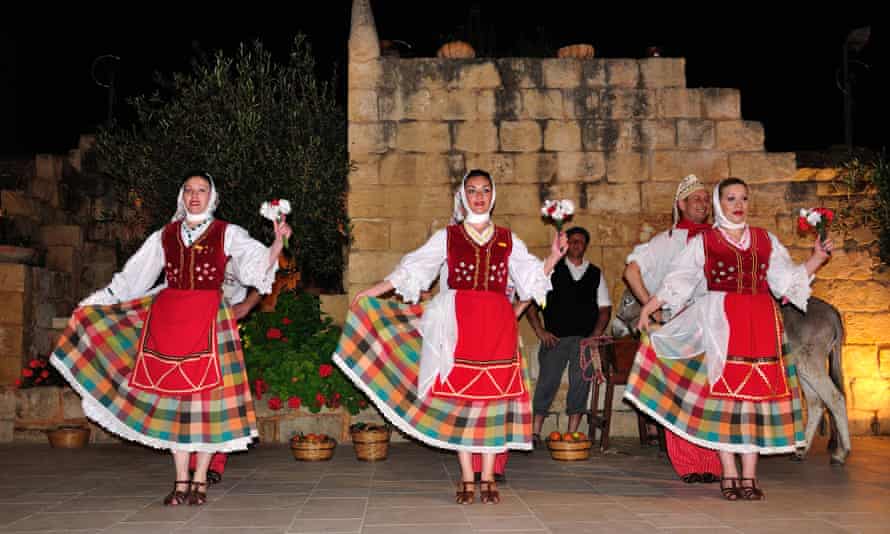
[
  {"x": 561, "y": 73},
  {"x": 696, "y": 134},
  {"x": 67, "y": 235},
  {"x": 531, "y": 230},
  {"x": 62, "y": 258},
  {"x": 659, "y": 72},
  {"x": 479, "y": 76},
  {"x": 12, "y": 342},
  {"x": 648, "y": 135},
  {"x": 847, "y": 295},
  {"x": 476, "y": 136},
  {"x": 413, "y": 168},
  {"x": 867, "y": 328},
  {"x": 362, "y": 105},
  {"x": 613, "y": 197},
  {"x": 622, "y": 72},
  {"x": 45, "y": 190},
  {"x": 454, "y": 105},
  {"x": 13, "y": 308},
  {"x": 721, "y": 104},
  {"x": 7, "y": 430},
  {"x": 371, "y": 267},
  {"x": 672, "y": 165},
  {"x": 518, "y": 199},
  {"x": 14, "y": 277},
  {"x": 871, "y": 394},
  {"x": 541, "y": 104},
  {"x": 860, "y": 361},
  {"x": 40, "y": 403},
  {"x": 848, "y": 264},
  {"x": 501, "y": 166},
  {"x": 539, "y": 167},
  {"x": 758, "y": 167},
  {"x": 17, "y": 203},
  {"x": 335, "y": 307},
  {"x": 628, "y": 103},
  {"x": 658, "y": 197},
  {"x": 739, "y": 136},
  {"x": 679, "y": 103},
  {"x": 602, "y": 135},
  {"x": 423, "y": 136},
  {"x": 370, "y": 235},
  {"x": 520, "y": 136},
  {"x": 366, "y": 138},
  {"x": 71, "y": 407},
  {"x": 367, "y": 75},
  {"x": 521, "y": 73},
  {"x": 594, "y": 74},
  {"x": 406, "y": 235},
  {"x": 627, "y": 167},
  {"x": 581, "y": 166},
  {"x": 366, "y": 172},
  {"x": 562, "y": 136}
]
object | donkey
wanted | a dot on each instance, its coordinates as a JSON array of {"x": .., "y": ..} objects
[{"x": 812, "y": 339}]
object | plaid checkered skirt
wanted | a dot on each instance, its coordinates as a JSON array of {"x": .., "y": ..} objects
[
  {"x": 380, "y": 351},
  {"x": 96, "y": 354},
  {"x": 676, "y": 393}
]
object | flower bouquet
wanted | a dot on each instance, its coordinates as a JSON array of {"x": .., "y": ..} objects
[
  {"x": 275, "y": 210},
  {"x": 559, "y": 211}
]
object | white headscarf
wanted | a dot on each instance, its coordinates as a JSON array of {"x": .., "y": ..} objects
[
  {"x": 462, "y": 205},
  {"x": 720, "y": 219},
  {"x": 182, "y": 211}
]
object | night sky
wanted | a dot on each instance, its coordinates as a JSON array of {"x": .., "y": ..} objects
[{"x": 785, "y": 65}]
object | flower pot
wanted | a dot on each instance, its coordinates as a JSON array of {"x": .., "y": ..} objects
[
  {"x": 75, "y": 437},
  {"x": 371, "y": 445}
]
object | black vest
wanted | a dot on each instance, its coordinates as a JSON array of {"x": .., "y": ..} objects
[{"x": 572, "y": 308}]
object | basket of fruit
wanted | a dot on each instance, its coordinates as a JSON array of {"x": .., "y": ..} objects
[
  {"x": 371, "y": 442},
  {"x": 569, "y": 446},
  {"x": 312, "y": 447}
]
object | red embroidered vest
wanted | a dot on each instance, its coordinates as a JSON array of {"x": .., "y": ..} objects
[
  {"x": 479, "y": 267},
  {"x": 737, "y": 271},
  {"x": 200, "y": 266}
]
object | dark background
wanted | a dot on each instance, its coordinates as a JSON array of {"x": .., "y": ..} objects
[{"x": 786, "y": 65}]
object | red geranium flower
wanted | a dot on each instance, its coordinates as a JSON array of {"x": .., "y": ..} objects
[
  {"x": 319, "y": 398},
  {"x": 273, "y": 333},
  {"x": 325, "y": 370},
  {"x": 294, "y": 402},
  {"x": 18, "y": 382},
  {"x": 27, "y": 373},
  {"x": 34, "y": 364},
  {"x": 285, "y": 321},
  {"x": 274, "y": 403},
  {"x": 44, "y": 374},
  {"x": 363, "y": 403},
  {"x": 259, "y": 387}
]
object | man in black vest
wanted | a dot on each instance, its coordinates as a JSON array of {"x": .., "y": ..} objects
[{"x": 577, "y": 307}]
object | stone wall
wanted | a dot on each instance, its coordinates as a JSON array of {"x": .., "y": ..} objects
[{"x": 615, "y": 136}]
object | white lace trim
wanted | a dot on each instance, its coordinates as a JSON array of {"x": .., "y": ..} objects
[
  {"x": 104, "y": 418},
  {"x": 257, "y": 272},
  {"x": 409, "y": 429},
  {"x": 406, "y": 286}
]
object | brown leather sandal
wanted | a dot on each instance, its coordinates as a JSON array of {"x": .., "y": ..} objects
[
  {"x": 197, "y": 497},
  {"x": 733, "y": 492},
  {"x": 488, "y": 492},
  {"x": 176, "y": 497},
  {"x": 752, "y": 492},
  {"x": 466, "y": 493}
]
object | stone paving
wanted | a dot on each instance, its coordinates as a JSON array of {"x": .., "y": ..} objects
[{"x": 118, "y": 488}]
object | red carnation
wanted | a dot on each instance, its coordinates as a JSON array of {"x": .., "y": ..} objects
[
  {"x": 275, "y": 202},
  {"x": 294, "y": 402},
  {"x": 273, "y": 333},
  {"x": 325, "y": 370},
  {"x": 802, "y": 224},
  {"x": 274, "y": 403}
]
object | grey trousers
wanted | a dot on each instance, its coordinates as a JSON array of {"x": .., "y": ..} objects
[{"x": 552, "y": 362}]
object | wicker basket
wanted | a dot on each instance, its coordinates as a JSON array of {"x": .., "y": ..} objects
[
  {"x": 69, "y": 437},
  {"x": 569, "y": 450},
  {"x": 313, "y": 451},
  {"x": 371, "y": 445}
]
